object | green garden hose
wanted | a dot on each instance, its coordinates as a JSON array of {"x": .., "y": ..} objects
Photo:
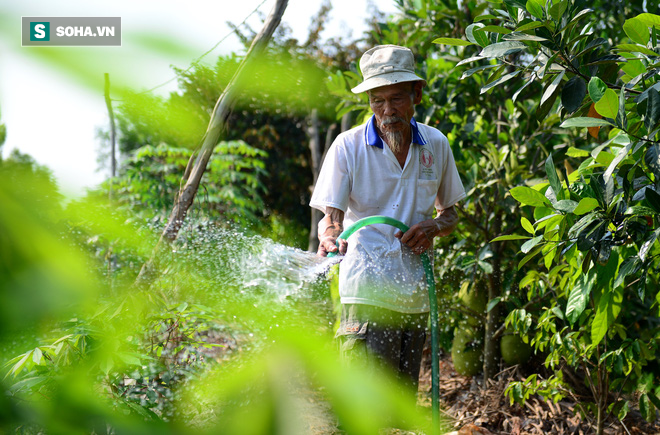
[{"x": 433, "y": 305}]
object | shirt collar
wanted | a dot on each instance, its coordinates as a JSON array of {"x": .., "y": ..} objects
[{"x": 371, "y": 134}]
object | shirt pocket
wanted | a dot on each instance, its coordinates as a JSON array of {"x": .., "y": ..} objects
[{"x": 426, "y": 192}]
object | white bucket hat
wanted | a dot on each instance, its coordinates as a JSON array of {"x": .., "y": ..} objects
[{"x": 386, "y": 65}]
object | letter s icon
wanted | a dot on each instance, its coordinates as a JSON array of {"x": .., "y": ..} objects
[{"x": 39, "y": 31}]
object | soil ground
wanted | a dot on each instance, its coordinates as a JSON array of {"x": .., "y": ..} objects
[{"x": 476, "y": 409}]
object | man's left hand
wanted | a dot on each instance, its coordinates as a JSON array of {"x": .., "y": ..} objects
[{"x": 420, "y": 236}]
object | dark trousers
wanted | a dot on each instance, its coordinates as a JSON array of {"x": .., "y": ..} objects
[{"x": 370, "y": 335}]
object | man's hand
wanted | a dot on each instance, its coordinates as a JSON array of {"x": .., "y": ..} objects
[
  {"x": 329, "y": 244},
  {"x": 420, "y": 236},
  {"x": 330, "y": 227}
]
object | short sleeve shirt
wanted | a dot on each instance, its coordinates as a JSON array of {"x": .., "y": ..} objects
[{"x": 362, "y": 177}]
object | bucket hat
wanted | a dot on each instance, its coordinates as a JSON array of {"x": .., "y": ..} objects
[{"x": 385, "y": 65}]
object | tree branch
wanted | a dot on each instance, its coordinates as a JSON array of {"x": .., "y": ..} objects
[{"x": 216, "y": 128}]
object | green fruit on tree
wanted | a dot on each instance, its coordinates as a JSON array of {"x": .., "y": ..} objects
[
  {"x": 475, "y": 299},
  {"x": 514, "y": 350},
  {"x": 467, "y": 350}
]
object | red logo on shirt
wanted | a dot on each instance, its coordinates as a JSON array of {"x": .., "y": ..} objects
[{"x": 426, "y": 158}]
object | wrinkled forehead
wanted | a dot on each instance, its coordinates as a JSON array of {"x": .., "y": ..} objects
[{"x": 396, "y": 89}]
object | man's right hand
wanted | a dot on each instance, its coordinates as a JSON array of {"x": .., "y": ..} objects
[
  {"x": 330, "y": 227},
  {"x": 329, "y": 244}
]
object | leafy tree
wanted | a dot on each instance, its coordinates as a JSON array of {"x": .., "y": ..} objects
[
  {"x": 232, "y": 188},
  {"x": 34, "y": 182},
  {"x": 595, "y": 228}
]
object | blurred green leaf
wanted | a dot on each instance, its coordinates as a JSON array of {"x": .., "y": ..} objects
[
  {"x": 585, "y": 122},
  {"x": 452, "y": 41},
  {"x": 637, "y": 30},
  {"x": 528, "y": 196},
  {"x": 501, "y": 49}
]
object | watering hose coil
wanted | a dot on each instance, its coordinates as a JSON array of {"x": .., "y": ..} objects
[{"x": 433, "y": 305}]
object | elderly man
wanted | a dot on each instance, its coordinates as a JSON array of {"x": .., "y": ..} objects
[{"x": 397, "y": 167}]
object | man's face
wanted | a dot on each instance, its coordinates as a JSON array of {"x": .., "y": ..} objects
[{"x": 394, "y": 106}]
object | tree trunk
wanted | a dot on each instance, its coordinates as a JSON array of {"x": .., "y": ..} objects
[
  {"x": 491, "y": 348},
  {"x": 491, "y": 340},
  {"x": 113, "y": 136},
  {"x": 317, "y": 153},
  {"x": 216, "y": 128}
]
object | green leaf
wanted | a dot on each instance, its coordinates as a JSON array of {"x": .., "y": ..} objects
[
  {"x": 566, "y": 206},
  {"x": 527, "y": 225},
  {"x": 650, "y": 20},
  {"x": 529, "y": 256},
  {"x": 529, "y": 81},
  {"x": 520, "y": 36},
  {"x": 609, "y": 307},
  {"x": 557, "y": 10},
  {"x": 553, "y": 178},
  {"x": 622, "y": 154},
  {"x": 607, "y": 59},
  {"x": 484, "y": 17},
  {"x": 28, "y": 383},
  {"x": 585, "y": 206},
  {"x": 452, "y": 41},
  {"x": 591, "y": 235},
  {"x": 637, "y": 210},
  {"x": 621, "y": 117},
  {"x": 529, "y": 26},
  {"x": 597, "y": 89},
  {"x": 499, "y": 81},
  {"x": 637, "y": 30},
  {"x": 496, "y": 29},
  {"x": 652, "y": 110},
  {"x": 475, "y": 35},
  {"x": 585, "y": 121},
  {"x": 510, "y": 237},
  {"x": 645, "y": 408},
  {"x": 573, "y": 94},
  {"x": 608, "y": 105},
  {"x": 37, "y": 356},
  {"x": 634, "y": 48},
  {"x": 646, "y": 246},
  {"x": 535, "y": 8},
  {"x": 654, "y": 399},
  {"x": 629, "y": 266},
  {"x": 529, "y": 196},
  {"x": 530, "y": 244},
  {"x": 576, "y": 152},
  {"x": 471, "y": 71},
  {"x": 492, "y": 303},
  {"x": 552, "y": 89},
  {"x": 502, "y": 49},
  {"x": 652, "y": 159},
  {"x": 601, "y": 320},
  {"x": 515, "y": 3},
  {"x": 485, "y": 266},
  {"x": 653, "y": 199},
  {"x": 578, "y": 297}
]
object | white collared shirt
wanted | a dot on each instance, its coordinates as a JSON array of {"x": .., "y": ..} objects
[{"x": 363, "y": 178}]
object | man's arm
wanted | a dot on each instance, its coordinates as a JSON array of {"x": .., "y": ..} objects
[
  {"x": 420, "y": 236},
  {"x": 330, "y": 227}
]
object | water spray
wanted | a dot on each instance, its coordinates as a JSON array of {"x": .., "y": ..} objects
[{"x": 433, "y": 306}]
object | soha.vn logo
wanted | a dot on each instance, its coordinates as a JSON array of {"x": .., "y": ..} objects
[{"x": 39, "y": 31}]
